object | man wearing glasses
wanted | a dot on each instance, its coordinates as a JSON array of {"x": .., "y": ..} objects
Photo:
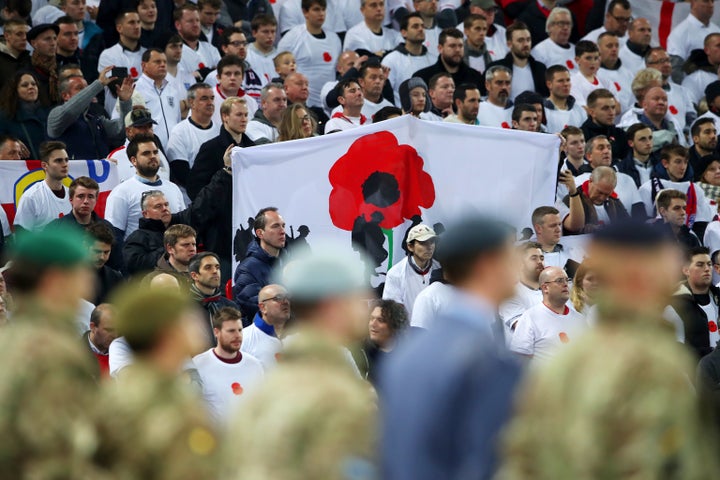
[
  {"x": 617, "y": 20},
  {"x": 556, "y": 49},
  {"x": 262, "y": 339},
  {"x": 542, "y": 330}
]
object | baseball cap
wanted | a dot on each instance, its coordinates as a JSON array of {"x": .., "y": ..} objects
[
  {"x": 421, "y": 233},
  {"x": 139, "y": 117}
]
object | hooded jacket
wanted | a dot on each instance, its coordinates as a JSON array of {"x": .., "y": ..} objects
[
  {"x": 251, "y": 276},
  {"x": 695, "y": 321}
]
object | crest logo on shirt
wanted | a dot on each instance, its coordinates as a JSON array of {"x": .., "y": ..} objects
[{"x": 171, "y": 101}]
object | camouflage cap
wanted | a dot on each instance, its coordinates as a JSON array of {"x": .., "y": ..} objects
[{"x": 56, "y": 245}]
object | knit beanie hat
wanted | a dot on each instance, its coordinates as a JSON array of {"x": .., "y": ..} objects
[{"x": 406, "y": 87}]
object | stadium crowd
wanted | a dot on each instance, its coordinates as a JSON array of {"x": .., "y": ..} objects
[{"x": 582, "y": 347}]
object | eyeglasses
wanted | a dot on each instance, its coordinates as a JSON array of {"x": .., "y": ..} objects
[
  {"x": 563, "y": 24},
  {"x": 305, "y": 118},
  {"x": 560, "y": 281},
  {"x": 622, "y": 19},
  {"x": 238, "y": 43},
  {"x": 277, "y": 298},
  {"x": 659, "y": 60}
]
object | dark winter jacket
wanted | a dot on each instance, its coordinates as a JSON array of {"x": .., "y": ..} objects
[
  {"x": 144, "y": 246},
  {"x": 105, "y": 281},
  {"x": 537, "y": 69},
  {"x": 465, "y": 74},
  {"x": 617, "y": 137},
  {"x": 116, "y": 260},
  {"x": 251, "y": 276},
  {"x": 627, "y": 166},
  {"x": 29, "y": 125},
  {"x": 695, "y": 321}
]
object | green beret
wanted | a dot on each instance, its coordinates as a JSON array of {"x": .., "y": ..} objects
[{"x": 56, "y": 245}]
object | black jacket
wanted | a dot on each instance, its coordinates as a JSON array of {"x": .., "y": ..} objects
[
  {"x": 210, "y": 159},
  {"x": 144, "y": 246},
  {"x": 685, "y": 238},
  {"x": 695, "y": 322},
  {"x": 616, "y": 135},
  {"x": 465, "y": 74},
  {"x": 537, "y": 69},
  {"x": 105, "y": 281},
  {"x": 115, "y": 261},
  {"x": 627, "y": 166}
]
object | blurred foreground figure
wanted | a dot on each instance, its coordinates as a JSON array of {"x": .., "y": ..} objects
[
  {"x": 155, "y": 426},
  {"x": 47, "y": 376},
  {"x": 448, "y": 392},
  {"x": 617, "y": 403},
  {"x": 313, "y": 417}
]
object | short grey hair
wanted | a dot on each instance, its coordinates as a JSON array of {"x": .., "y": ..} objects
[
  {"x": 603, "y": 173},
  {"x": 591, "y": 143},
  {"x": 266, "y": 90},
  {"x": 490, "y": 72},
  {"x": 148, "y": 195},
  {"x": 554, "y": 13},
  {"x": 195, "y": 87}
]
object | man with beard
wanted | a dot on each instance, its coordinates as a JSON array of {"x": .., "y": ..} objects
[
  {"x": 100, "y": 244},
  {"x": 227, "y": 373},
  {"x": 527, "y": 291},
  {"x": 496, "y": 111},
  {"x": 205, "y": 289},
  {"x": 407, "y": 278},
  {"x": 262, "y": 339},
  {"x": 527, "y": 72},
  {"x": 68, "y": 40},
  {"x": 561, "y": 109},
  {"x": 542, "y": 330},
  {"x": 350, "y": 97},
  {"x": 46, "y": 200},
  {"x": 467, "y": 104},
  {"x": 450, "y": 60},
  {"x": 197, "y": 55},
  {"x": 704, "y": 137},
  {"x": 123, "y": 208}
]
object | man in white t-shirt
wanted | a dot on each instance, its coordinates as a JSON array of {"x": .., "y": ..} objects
[
  {"x": 316, "y": 50},
  {"x": 123, "y": 207},
  {"x": 496, "y": 111},
  {"x": 407, "y": 278},
  {"x": 49, "y": 199},
  {"x": 262, "y": 51},
  {"x": 680, "y": 104},
  {"x": 370, "y": 34},
  {"x": 557, "y": 48},
  {"x": 561, "y": 109},
  {"x": 350, "y": 97},
  {"x": 547, "y": 225},
  {"x": 263, "y": 128},
  {"x": 262, "y": 338},
  {"x": 613, "y": 70},
  {"x": 617, "y": 19},
  {"x": 188, "y": 135},
  {"x": 545, "y": 328},
  {"x": 230, "y": 75},
  {"x": 690, "y": 34},
  {"x": 634, "y": 49},
  {"x": 197, "y": 55},
  {"x": 226, "y": 373},
  {"x": 527, "y": 291}
]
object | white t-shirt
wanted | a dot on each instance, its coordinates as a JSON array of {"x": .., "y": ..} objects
[
  {"x": 540, "y": 332},
  {"x": 315, "y": 57},
  {"x": 695, "y": 84},
  {"x": 432, "y": 40},
  {"x": 430, "y": 303},
  {"x": 257, "y": 130},
  {"x": 602, "y": 215},
  {"x": 403, "y": 66},
  {"x": 679, "y": 103},
  {"x": 630, "y": 60},
  {"x": 342, "y": 122},
  {"x": 403, "y": 284},
  {"x": 39, "y": 206},
  {"x": 522, "y": 80},
  {"x": 705, "y": 212},
  {"x": 550, "y": 53},
  {"x": 127, "y": 170},
  {"x": 361, "y": 37},
  {"x": 262, "y": 346},
  {"x": 496, "y": 44},
  {"x": 620, "y": 81},
  {"x": 206, "y": 56},
  {"x": 490, "y": 115},
  {"x": 340, "y": 15},
  {"x": 120, "y": 356},
  {"x": 123, "y": 204},
  {"x": 594, "y": 35},
  {"x": 163, "y": 104},
  {"x": 511, "y": 310},
  {"x": 224, "y": 383},
  {"x": 187, "y": 138},
  {"x": 118, "y": 56},
  {"x": 687, "y": 36},
  {"x": 559, "y": 119},
  {"x": 582, "y": 87},
  {"x": 220, "y": 97},
  {"x": 4, "y": 224},
  {"x": 711, "y": 311},
  {"x": 262, "y": 63}
]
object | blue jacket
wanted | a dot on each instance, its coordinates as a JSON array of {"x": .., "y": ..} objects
[
  {"x": 446, "y": 396},
  {"x": 250, "y": 277}
]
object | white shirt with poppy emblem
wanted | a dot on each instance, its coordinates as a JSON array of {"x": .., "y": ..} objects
[
  {"x": 39, "y": 206},
  {"x": 522, "y": 80},
  {"x": 403, "y": 284},
  {"x": 206, "y": 56},
  {"x": 496, "y": 43},
  {"x": 582, "y": 87},
  {"x": 705, "y": 212},
  {"x": 490, "y": 115},
  {"x": 559, "y": 119},
  {"x": 340, "y": 15},
  {"x": 679, "y": 103},
  {"x": 540, "y": 332},
  {"x": 266, "y": 348},
  {"x": 511, "y": 310},
  {"x": 315, "y": 58},
  {"x": 262, "y": 63},
  {"x": 620, "y": 81},
  {"x": 187, "y": 138},
  {"x": 226, "y": 382},
  {"x": 550, "y": 53},
  {"x": 360, "y": 37},
  {"x": 119, "y": 56},
  {"x": 687, "y": 36},
  {"x": 403, "y": 66},
  {"x": 630, "y": 60},
  {"x": 711, "y": 312},
  {"x": 696, "y": 82},
  {"x": 342, "y": 122}
]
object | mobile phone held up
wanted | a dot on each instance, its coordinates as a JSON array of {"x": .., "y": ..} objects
[{"x": 121, "y": 73}]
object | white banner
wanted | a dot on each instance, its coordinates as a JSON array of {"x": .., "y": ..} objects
[{"x": 368, "y": 185}]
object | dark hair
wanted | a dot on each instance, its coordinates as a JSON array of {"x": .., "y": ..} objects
[
  {"x": 179, "y": 11},
  {"x": 435, "y": 78},
  {"x": 306, "y": 5},
  {"x": 394, "y": 314},
  {"x": 6, "y": 137},
  {"x": 260, "y": 220},
  {"x": 148, "y": 53},
  {"x": 132, "y": 148},
  {"x": 405, "y": 21},
  {"x": 691, "y": 252},
  {"x": 196, "y": 261},
  {"x": 664, "y": 198},
  {"x": 540, "y": 212},
  {"x": 597, "y": 94},
  {"x": 343, "y": 84},
  {"x": 230, "y": 60},
  {"x": 552, "y": 70},
  {"x": 585, "y": 46},
  {"x": 519, "y": 109},
  {"x": 612, "y": 34},
  {"x": 472, "y": 18},
  {"x": 623, "y": 3},
  {"x": 100, "y": 232},
  {"x": 46, "y": 148},
  {"x": 383, "y": 114},
  {"x": 451, "y": 32},
  {"x": 64, "y": 20},
  {"x": 21, "y": 7},
  {"x": 212, "y": 3},
  {"x": 225, "y": 314},
  {"x": 227, "y": 33},
  {"x": 9, "y": 99},
  {"x": 121, "y": 16},
  {"x": 571, "y": 130},
  {"x": 461, "y": 91},
  {"x": 669, "y": 151},
  {"x": 517, "y": 25},
  {"x": 696, "y": 126},
  {"x": 633, "y": 129},
  {"x": 174, "y": 233},
  {"x": 261, "y": 20},
  {"x": 714, "y": 257},
  {"x": 367, "y": 66},
  {"x": 86, "y": 182}
]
